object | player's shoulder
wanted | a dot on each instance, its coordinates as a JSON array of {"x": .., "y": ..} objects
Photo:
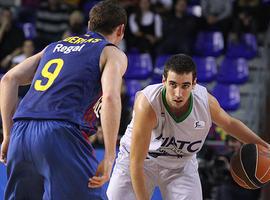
[
  {"x": 154, "y": 86},
  {"x": 143, "y": 108},
  {"x": 200, "y": 94},
  {"x": 199, "y": 87},
  {"x": 152, "y": 92},
  {"x": 142, "y": 102},
  {"x": 199, "y": 90},
  {"x": 111, "y": 52},
  {"x": 111, "y": 49}
]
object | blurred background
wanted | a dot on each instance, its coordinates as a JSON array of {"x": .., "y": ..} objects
[{"x": 228, "y": 39}]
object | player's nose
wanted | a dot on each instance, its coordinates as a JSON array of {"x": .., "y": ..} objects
[{"x": 178, "y": 93}]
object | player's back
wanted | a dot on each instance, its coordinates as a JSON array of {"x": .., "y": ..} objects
[{"x": 67, "y": 81}]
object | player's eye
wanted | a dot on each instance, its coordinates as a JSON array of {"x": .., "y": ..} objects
[
  {"x": 185, "y": 86},
  {"x": 173, "y": 85}
]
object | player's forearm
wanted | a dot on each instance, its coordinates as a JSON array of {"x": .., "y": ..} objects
[
  {"x": 110, "y": 120},
  {"x": 138, "y": 180},
  {"x": 9, "y": 98},
  {"x": 240, "y": 131}
]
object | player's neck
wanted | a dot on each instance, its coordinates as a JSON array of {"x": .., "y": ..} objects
[{"x": 110, "y": 38}]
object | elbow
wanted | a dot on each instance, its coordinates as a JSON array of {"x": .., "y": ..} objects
[
  {"x": 7, "y": 79},
  {"x": 111, "y": 98}
]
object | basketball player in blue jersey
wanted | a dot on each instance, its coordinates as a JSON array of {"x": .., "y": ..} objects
[
  {"x": 170, "y": 123},
  {"x": 44, "y": 147}
]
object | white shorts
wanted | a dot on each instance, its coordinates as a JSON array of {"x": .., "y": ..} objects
[{"x": 174, "y": 184}]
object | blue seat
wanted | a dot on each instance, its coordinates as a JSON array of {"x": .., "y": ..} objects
[
  {"x": 233, "y": 71},
  {"x": 246, "y": 47},
  {"x": 139, "y": 66},
  {"x": 159, "y": 68},
  {"x": 209, "y": 44},
  {"x": 206, "y": 69},
  {"x": 132, "y": 86},
  {"x": 194, "y": 10},
  {"x": 228, "y": 96}
]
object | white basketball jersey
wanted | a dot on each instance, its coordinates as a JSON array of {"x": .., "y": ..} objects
[{"x": 175, "y": 141}]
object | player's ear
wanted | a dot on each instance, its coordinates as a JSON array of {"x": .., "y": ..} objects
[
  {"x": 194, "y": 83},
  {"x": 120, "y": 30},
  {"x": 163, "y": 80}
]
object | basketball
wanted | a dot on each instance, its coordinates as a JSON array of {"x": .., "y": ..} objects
[{"x": 250, "y": 166}]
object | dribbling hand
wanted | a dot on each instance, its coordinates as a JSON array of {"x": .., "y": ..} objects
[
  {"x": 102, "y": 175},
  {"x": 266, "y": 149}
]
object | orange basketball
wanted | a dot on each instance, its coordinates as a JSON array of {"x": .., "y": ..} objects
[{"x": 250, "y": 166}]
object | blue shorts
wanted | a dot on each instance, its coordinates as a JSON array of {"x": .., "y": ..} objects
[{"x": 50, "y": 160}]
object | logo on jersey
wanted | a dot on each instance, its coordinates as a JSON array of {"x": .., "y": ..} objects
[
  {"x": 199, "y": 124},
  {"x": 167, "y": 151},
  {"x": 175, "y": 148}
]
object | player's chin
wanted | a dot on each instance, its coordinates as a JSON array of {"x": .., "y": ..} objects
[{"x": 178, "y": 104}]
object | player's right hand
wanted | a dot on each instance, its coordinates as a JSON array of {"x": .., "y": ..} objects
[
  {"x": 102, "y": 175},
  {"x": 4, "y": 149}
]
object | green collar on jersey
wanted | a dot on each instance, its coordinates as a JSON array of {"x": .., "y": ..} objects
[{"x": 182, "y": 117}]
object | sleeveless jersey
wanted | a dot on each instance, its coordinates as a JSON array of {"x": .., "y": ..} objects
[
  {"x": 67, "y": 83},
  {"x": 173, "y": 143}
]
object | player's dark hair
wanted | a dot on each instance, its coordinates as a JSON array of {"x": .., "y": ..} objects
[
  {"x": 180, "y": 64},
  {"x": 105, "y": 16}
]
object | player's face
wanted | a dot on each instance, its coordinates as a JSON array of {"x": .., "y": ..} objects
[{"x": 178, "y": 89}]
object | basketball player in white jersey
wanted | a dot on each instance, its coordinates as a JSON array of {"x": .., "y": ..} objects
[{"x": 169, "y": 126}]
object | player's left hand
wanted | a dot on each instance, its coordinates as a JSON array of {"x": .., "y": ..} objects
[
  {"x": 102, "y": 175},
  {"x": 4, "y": 149},
  {"x": 266, "y": 150}
]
